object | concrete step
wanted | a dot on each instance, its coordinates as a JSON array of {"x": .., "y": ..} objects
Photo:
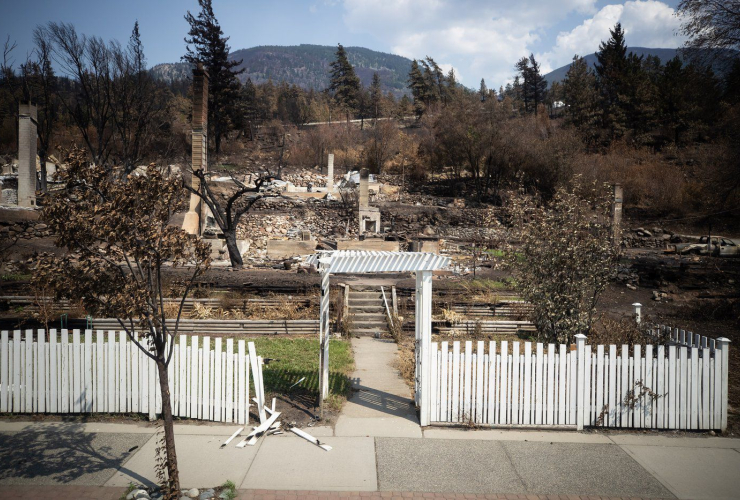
[
  {"x": 367, "y": 331},
  {"x": 370, "y": 324},
  {"x": 379, "y": 309},
  {"x": 357, "y": 318},
  {"x": 366, "y": 295},
  {"x": 373, "y": 302}
]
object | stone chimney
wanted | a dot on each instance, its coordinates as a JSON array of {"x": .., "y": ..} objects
[
  {"x": 364, "y": 193},
  {"x": 27, "y": 154},
  {"x": 617, "y": 214},
  {"x": 195, "y": 218},
  {"x": 330, "y": 173}
]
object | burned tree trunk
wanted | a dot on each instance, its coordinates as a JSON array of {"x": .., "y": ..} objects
[
  {"x": 235, "y": 255},
  {"x": 173, "y": 474}
]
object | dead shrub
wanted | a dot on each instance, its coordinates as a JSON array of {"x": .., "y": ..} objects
[{"x": 622, "y": 331}]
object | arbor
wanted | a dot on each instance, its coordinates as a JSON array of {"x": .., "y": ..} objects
[
  {"x": 483, "y": 91},
  {"x": 345, "y": 84},
  {"x": 118, "y": 240},
  {"x": 565, "y": 259},
  {"x": 206, "y": 44}
]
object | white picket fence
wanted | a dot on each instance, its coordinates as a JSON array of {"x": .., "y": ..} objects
[
  {"x": 663, "y": 387},
  {"x": 104, "y": 372}
]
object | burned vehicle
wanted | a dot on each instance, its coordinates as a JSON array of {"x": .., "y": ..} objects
[{"x": 720, "y": 247}]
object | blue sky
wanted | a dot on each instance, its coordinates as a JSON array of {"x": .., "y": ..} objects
[{"x": 479, "y": 38}]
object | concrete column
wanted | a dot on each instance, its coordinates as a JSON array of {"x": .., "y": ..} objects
[
  {"x": 27, "y": 154},
  {"x": 364, "y": 192},
  {"x": 195, "y": 218},
  {"x": 330, "y": 173},
  {"x": 617, "y": 214},
  {"x": 638, "y": 312},
  {"x": 424, "y": 311},
  {"x": 324, "y": 334}
]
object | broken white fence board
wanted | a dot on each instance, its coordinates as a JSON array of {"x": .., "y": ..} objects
[
  {"x": 241, "y": 390},
  {"x": 238, "y": 431},
  {"x": 254, "y": 362},
  {"x": 310, "y": 438},
  {"x": 257, "y": 431}
]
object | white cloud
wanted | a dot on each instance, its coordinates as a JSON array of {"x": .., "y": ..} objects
[
  {"x": 647, "y": 23},
  {"x": 482, "y": 38},
  {"x": 485, "y": 38}
]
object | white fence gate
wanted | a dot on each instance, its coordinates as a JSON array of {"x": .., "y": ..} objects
[
  {"x": 99, "y": 372},
  {"x": 663, "y": 387}
]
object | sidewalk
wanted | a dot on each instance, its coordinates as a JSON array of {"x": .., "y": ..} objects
[{"x": 53, "y": 457}]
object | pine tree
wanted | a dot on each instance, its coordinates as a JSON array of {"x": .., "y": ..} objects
[
  {"x": 206, "y": 44},
  {"x": 611, "y": 68},
  {"x": 581, "y": 98},
  {"x": 537, "y": 85},
  {"x": 344, "y": 85},
  {"x": 522, "y": 66},
  {"x": 418, "y": 86},
  {"x": 483, "y": 90},
  {"x": 376, "y": 96}
]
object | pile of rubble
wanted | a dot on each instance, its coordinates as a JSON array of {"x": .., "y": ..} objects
[
  {"x": 306, "y": 178},
  {"x": 643, "y": 238}
]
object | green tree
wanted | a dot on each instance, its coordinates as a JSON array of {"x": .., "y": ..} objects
[
  {"x": 376, "y": 97},
  {"x": 483, "y": 91},
  {"x": 418, "y": 86},
  {"x": 118, "y": 238},
  {"x": 206, "y": 44},
  {"x": 611, "y": 69},
  {"x": 581, "y": 98},
  {"x": 344, "y": 85}
]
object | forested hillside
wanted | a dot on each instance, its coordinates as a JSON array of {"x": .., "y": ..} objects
[{"x": 306, "y": 66}]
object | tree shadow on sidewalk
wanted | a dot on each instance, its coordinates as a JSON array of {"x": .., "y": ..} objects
[{"x": 62, "y": 453}]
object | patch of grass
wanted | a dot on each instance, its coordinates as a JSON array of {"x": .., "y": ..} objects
[
  {"x": 484, "y": 284},
  {"x": 228, "y": 490},
  {"x": 131, "y": 487},
  {"x": 299, "y": 358},
  {"x": 15, "y": 277}
]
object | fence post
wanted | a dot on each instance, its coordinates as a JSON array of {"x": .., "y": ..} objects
[
  {"x": 638, "y": 312},
  {"x": 581, "y": 380},
  {"x": 723, "y": 344}
]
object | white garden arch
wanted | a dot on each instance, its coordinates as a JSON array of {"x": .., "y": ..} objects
[{"x": 365, "y": 261}]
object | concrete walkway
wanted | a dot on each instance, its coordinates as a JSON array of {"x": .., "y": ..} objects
[
  {"x": 439, "y": 461},
  {"x": 37, "y": 456},
  {"x": 380, "y": 405}
]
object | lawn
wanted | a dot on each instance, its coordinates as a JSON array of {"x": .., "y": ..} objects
[{"x": 298, "y": 358}]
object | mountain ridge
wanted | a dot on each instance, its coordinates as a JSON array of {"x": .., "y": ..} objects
[
  {"x": 305, "y": 65},
  {"x": 665, "y": 55}
]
